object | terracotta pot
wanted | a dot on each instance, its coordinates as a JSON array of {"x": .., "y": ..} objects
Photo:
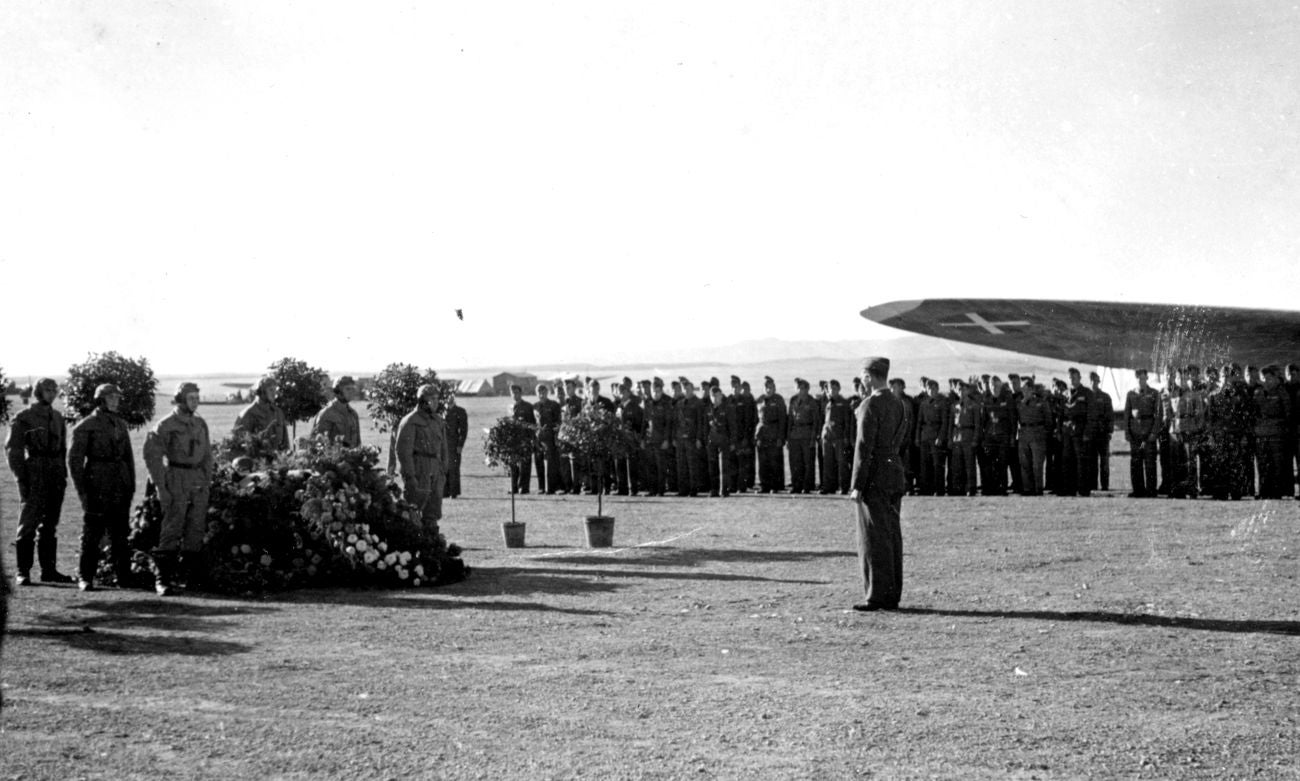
[
  {"x": 600, "y": 531},
  {"x": 513, "y": 533}
]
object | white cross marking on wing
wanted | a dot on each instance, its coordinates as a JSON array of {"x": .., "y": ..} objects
[{"x": 979, "y": 322}]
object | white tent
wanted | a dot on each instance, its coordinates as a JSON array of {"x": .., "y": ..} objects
[{"x": 478, "y": 386}]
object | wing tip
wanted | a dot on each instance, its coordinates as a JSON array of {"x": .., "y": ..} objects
[{"x": 882, "y": 313}]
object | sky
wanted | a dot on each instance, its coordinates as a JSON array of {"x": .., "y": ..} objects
[{"x": 214, "y": 186}]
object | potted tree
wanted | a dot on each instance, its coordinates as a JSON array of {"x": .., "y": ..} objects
[
  {"x": 598, "y": 437},
  {"x": 509, "y": 445}
]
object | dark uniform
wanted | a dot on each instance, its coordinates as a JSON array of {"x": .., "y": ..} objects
[
  {"x": 574, "y": 474},
  {"x": 627, "y": 471},
  {"x": 690, "y": 428},
  {"x": 338, "y": 421},
  {"x": 746, "y": 422},
  {"x": 1272, "y": 424},
  {"x": 457, "y": 432},
  {"x": 1141, "y": 429},
  {"x": 521, "y": 475},
  {"x": 966, "y": 419},
  {"x": 1075, "y": 437},
  {"x": 1035, "y": 424},
  {"x": 549, "y": 414},
  {"x": 1186, "y": 434},
  {"x": 265, "y": 420},
  {"x": 934, "y": 421},
  {"x": 998, "y": 427},
  {"x": 720, "y": 446},
  {"x": 878, "y": 479},
  {"x": 769, "y": 439},
  {"x": 659, "y": 414},
  {"x": 837, "y": 446},
  {"x": 1229, "y": 419},
  {"x": 103, "y": 472},
  {"x": 37, "y": 450},
  {"x": 800, "y": 436},
  {"x": 1101, "y": 424}
]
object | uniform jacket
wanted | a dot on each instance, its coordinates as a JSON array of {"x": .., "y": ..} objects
[
  {"x": 37, "y": 445},
  {"x": 690, "y": 423},
  {"x": 1188, "y": 413},
  {"x": 881, "y": 428},
  {"x": 422, "y": 446},
  {"x": 802, "y": 418},
  {"x": 1273, "y": 410},
  {"x": 100, "y": 459},
  {"x": 183, "y": 440},
  {"x": 746, "y": 416},
  {"x": 549, "y": 416},
  {"x": 1034, "y": 417},
  {"x": 266, "y": 420},
  {"x": 659, "y": 415},
  {"x": 721, "y": 420},
  {"x": 457, "y": 427},
  {"x": 523, "y": 412},
  {"x": 934, "y": 421},
  {"x": 633, "y": 417},
  {"x": 771, "y": 428},
  {"x": 1141, "y": 414},
  {"x": 998, "y": 421},
  {"x": 967, "y": 414},
  {"x": 839, "y": 420},
  {"x": 338, "y": 421},
  {"x": 1078, "y": 412}
]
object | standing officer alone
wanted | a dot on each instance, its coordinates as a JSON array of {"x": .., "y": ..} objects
[
  {"x": 182, "y": 482},
  {"x": 422, "y": 456},
  {"x": 457, "y": 432},
  {"x": 103, "y": 472},
  {"x": 878, "y": 483},
  {"x": 36, "y": 447}
]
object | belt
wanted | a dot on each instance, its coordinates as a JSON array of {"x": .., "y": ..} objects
[{"x": 174, "y": 465}]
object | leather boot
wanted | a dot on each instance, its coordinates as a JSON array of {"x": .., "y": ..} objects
[
  {"x": 26, "y": 552},
  {"x": 194, "y": 569},
  {"x": 164, "y": 565},
  {"x": 47, "y": 548}
]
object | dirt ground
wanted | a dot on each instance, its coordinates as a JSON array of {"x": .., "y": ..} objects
[{"x": 1040, "y": 638}]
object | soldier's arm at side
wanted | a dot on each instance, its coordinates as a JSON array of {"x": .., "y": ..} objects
[{"x": 77, "y": 458}]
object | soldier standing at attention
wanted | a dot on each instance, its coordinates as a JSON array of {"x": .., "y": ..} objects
[
  {"x": 37, "y": 449},
  {"x": 800, "y": 435},
  {"x": 263, "y": 419},
  {"x": 422, "y": 456},
  {"x": 934, "y": 421},
  {"x": 690, "y": 428},
  {"x": 878, "y": 490},
  {"x": 1141, "y": 429},
  {"x": 1012, "y": 454},
  {"x": 721, "y": 419},
  {"x": 769, "y": 438},
  {"x": 627, "y": 470},
  {"x": 1075, "y": 437},
  {"x": 898, "y": 387},
  {"x": 836, "y": 447},
  {"x": 659, "y": 414},
  {"x": 1101, "y": 423},
  {"x": 1034, "y": 420},
  {"x": 997, "y": 430},
  {"x": 182, "y": 482},
  {"x": 523, "y": 412},
  {"x": 457, "y": 432},
  {"x": 103, "y": 472},
  {"x": 1272, "y": 425},
  {"x": 966, "y": 416},
  {"x": 549, "y": 414},
  {"x": 1185, "y": 429},
  {"x": 570, "y": 408},
  {"x": 746, "y": 422},
  {"x": 338, "y": 421}
]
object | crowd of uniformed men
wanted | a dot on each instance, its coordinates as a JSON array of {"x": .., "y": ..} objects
[{"x": 1225, "y": 434}]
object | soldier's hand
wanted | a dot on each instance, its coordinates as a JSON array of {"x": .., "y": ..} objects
[
  {"x": 855, "y": 495},
  {"x": 663, "y": 445}
]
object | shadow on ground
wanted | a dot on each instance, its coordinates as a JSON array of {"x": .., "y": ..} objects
[
  {"x": 165, "y": 620},
  {"x": 1127, "y": 619},
  {"x": 694, "y": 557}
]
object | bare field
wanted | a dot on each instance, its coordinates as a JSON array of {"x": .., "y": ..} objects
[{"x": 1041, "y": 638}]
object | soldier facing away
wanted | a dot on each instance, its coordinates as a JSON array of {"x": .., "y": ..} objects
[{"x": 878, "y": 489}]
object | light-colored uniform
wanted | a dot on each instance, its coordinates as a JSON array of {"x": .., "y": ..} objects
[
  {"x": 422, "y": 458},
  {"x": 338, "y": 421},
  {"x": 266, "y": 420},
  {"x": 182, "y": 439}
]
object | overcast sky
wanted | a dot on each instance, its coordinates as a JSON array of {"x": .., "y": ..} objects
[{"x": 217, "y": 185}]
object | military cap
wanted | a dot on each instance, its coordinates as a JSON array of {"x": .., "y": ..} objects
[
  {"x": 996, "y": 379},
  {"x": 428, "y": 389},
  {"x": 676, "y": 383},
  {"x": 570, "y": 382},
  {"x": 714, "y": 382},
  {"x": 801, "y": 382},
  {"x": 107, "y": 389},
  {"x": 1140, "y": 373},
  {"x": 715, "y": 389},
  {"x": 1013, "y": 376},
  {"x": 627, "y": 381},
  {"x": 835, "y": 383},
  {"x": 735, "y": 380},
  {"x": 1073, "y": 370},
  {"x": 45, "y": 382},
  {"x": 264, "y": 381},
  {"x": 769, "y": 381},
  {"x": 745, "y": 385},
  {"x": 876, "y": 364},
  {"x": 184, "y": 388},
  {"x": 658, "y": 382},
  {"x": 343, "y": 382},
  {"x": 1272, "y": 369},
  {"x": 1060, "y": 383},
  {"x": 687, "y": 383}
]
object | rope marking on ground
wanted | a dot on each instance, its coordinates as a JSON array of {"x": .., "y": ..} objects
[{"x": 616, "y": 550}]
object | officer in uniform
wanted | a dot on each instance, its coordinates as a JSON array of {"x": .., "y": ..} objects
[
  {"x": 898, "y": 386},
  {"x": 1101, "y": 425},
  {"x": 1012, "y": 453},
  {"x": 422, "y": 456},
  {"x": 690, "y": 428},
  {"x": 103, "y": 472},
  {"x": 800, "y": 435},
  {"x": 264, "y": 419},
  {"x": 457, "y": 420},
  {"x": 549, "y": 416},
  {"x": 837, "y": 455},
  {"x": 934, "y": 419},
  {"x": 721, "y": 444},
  {"x": 627, "y": 470},
  {"x": 1186, "y": 411},
  {"x": 746, "y": 422},
  {"x": 37, "y": 447},
  {"x": 570, "y": 408},
  {"x": 659, "y": 415},
  {"x": 769, "y": 439},
  {"x": 1141, "y": 429},
  {"x": 1034, "y": 422},
  {"x": 1076, "y": 426},
  {"x": 182, "y": 481},
  {"x": 338, "y": 421},
  {"x": 523, "y": 412},
  {"x": 877, "y": 481},
  {"x": 1272, "y": 424},
  {"x": 997, "y": 425},
  {"x": 966, "y": 419}
]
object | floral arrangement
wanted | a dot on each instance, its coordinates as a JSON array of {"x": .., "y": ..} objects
[
  {"x": 323, "y": 515},
  {"x": 509, "y": 444},
  {"x": 597, "y": 436}
]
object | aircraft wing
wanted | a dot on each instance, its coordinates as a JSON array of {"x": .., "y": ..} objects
[{"x": 1148, "y": 336}]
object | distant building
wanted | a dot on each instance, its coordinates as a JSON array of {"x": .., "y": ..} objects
[
  {"x": 501, "y": 383},
  {"x": 475, "y": 386}
]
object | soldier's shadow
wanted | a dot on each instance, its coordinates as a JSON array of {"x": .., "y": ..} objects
[
  {"x": 1129, "y": 619},
  {"x": 141, "y": 627}
]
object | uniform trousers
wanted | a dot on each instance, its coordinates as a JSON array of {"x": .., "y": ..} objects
[
  {"x": 837, "y": 466},
  {"x": 963, "y": 467},
  {"x": 880, "y": 546},
  {"x": 994, "y": 477},
  {"x": 548, "y": 464},
  {"x": 627, "y": 473},
  {"x": 520, "y": 477},
  {"x": 105, "y": 514},
  {"x": 934, "y": 462},
  {"x": 185, "y": 510},
  {"x": 689, "y": 461},
  {"x": 1142, "y": 466},
  {"x": 722, "y": 473},
  {"x": 803, "y": 466},
  {"x": 1275, "y": 480},
  {"x": 38, "y": 520},
  {"x": 1033, "y": 460},
  {"x": 452, "y": 485},
  {"x": 426, "y": 494},
  {"x": 1074, "y": 464},
  {"x": 771, "y": 467}
]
